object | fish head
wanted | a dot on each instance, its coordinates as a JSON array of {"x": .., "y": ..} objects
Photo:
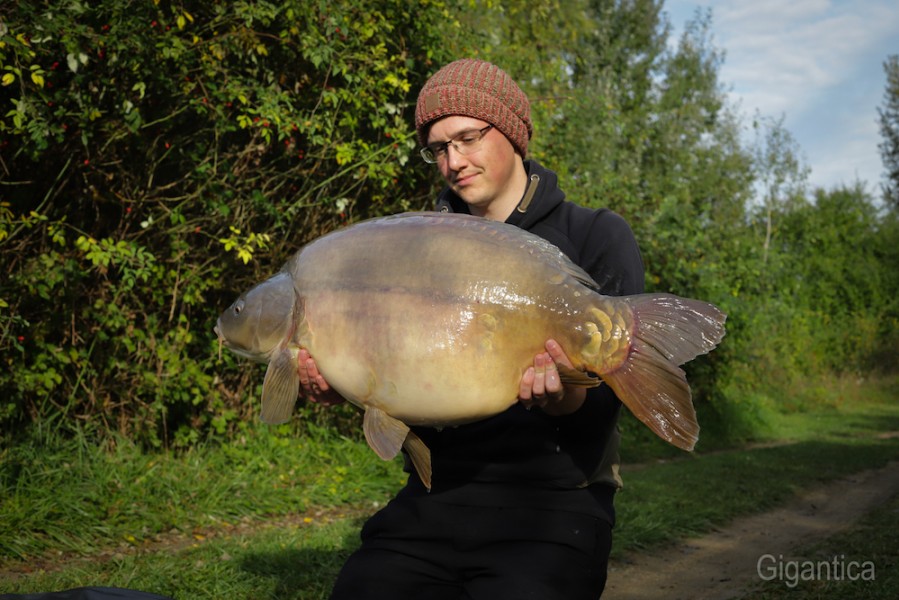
[{"x": 261, "y": 320}]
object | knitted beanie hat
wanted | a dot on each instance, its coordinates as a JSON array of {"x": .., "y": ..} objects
[{"x": 478, "y": 89}]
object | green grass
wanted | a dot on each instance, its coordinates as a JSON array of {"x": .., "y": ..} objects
[
  {"x": 246, "y": 520},
  {"x": 77, "y": 498},
  {"x": 873, "y": 541},
  {"x": 845, "y": 406},
  {"x": 298, "y": 562},
  {"x": 681, "y": 498}
]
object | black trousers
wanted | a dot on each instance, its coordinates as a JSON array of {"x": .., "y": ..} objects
[{"x": 420, "y": 548}]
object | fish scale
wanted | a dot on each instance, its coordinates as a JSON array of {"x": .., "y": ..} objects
[{"x": 394, "y": 309}]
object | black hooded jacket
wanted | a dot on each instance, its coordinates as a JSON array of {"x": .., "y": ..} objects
[{"x": 526, "y": 458}]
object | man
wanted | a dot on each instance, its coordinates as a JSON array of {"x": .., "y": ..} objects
[{"x": 522, "y": 503}]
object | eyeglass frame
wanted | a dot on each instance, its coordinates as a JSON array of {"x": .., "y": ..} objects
[{"x": 430, "y": 152}]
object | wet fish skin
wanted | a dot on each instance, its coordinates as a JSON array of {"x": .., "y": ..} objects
[{"x": 394, "y": 309}]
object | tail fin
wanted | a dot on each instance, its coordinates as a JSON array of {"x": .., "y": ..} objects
[{"x": 667, "y": 332}]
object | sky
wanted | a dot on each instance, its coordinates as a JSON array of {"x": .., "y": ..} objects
[{"x": 816, "y": 63}]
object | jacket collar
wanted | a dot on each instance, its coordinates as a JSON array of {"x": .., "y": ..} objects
[{"x": 541, "y": 196}]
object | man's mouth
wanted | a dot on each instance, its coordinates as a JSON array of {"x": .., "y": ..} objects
[{"x": 465, "y": 180}]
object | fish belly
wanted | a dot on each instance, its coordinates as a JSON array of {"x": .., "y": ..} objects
[{"x": 425, "y": 362}]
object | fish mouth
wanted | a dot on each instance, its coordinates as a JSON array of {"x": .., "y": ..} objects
[{"x": 238, "y": 350}]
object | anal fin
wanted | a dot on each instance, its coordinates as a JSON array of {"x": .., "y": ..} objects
[{"x": 421, "y": 457}]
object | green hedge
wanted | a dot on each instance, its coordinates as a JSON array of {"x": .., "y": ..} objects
[{"x": 160, "y": 157}]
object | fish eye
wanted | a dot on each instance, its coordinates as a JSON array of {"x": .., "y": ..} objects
[{"x": 238, "y": 306}]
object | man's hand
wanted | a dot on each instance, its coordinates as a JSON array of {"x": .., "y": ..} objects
[
  {"x": 541, "y": 385},
  {"x": 312, "y": 385}
]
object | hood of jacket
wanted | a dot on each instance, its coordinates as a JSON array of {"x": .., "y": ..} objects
[{"x": 541, "y": 196}]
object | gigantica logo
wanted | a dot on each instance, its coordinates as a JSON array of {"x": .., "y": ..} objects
[{"x": 791, "y": 572}]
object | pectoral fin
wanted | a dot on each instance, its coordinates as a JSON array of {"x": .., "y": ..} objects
[
  {"x": 421, "y": 457},
  {"x": 383, "y": 433},
  {"x": 280, "y": 388}
]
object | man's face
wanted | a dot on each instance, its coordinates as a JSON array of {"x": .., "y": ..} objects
[{"x": 484, "y": 177}]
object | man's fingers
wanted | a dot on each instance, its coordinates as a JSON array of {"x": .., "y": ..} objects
[
  {"x": 552, "y": 381},
  {"x": 539, "y": 387},
  {"x": 557, "y": 354},
  {"x": 541, "y": 383},
  {"x": 303, "y": 359},
  {"x": 524, "y": 388}
]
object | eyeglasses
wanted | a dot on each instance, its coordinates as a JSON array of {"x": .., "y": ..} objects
[{"x": 467, "y": 142}]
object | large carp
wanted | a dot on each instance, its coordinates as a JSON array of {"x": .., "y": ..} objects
[{"x": 431, "y": 319}]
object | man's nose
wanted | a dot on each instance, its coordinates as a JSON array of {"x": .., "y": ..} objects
[{"x": 454, "y": 158}]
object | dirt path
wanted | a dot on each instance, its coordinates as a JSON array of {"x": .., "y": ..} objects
[
  {"x": 718, "y": 566},
  {"x": 723, "y": 564}
]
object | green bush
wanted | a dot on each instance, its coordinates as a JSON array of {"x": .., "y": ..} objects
[{"x": 160, "y": 157}]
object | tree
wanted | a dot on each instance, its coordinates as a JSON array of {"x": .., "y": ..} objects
[
  {"x": 780, "y": 172},
  {"x": 889, "y": 130},
  {"x": 835, "y": 274}
]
